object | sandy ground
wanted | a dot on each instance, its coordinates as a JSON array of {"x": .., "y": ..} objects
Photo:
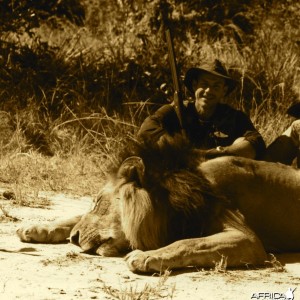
[{"x": 37, "y": 271}]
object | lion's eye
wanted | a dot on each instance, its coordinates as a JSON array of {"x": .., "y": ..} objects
[{"x": 107, "y": 240}]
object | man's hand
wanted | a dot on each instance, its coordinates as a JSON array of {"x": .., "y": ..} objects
[
  {"x": 211, "y": 153},
  {"x": 216, "y": 152},
  {"x": 240, "y": 147}
]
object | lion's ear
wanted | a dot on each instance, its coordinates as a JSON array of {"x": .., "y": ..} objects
[{"x": 132, "y": 169}]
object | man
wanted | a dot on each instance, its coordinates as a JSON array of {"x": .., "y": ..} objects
[
  {"x": 286, "y": 147},
  {"x": 210, "y": 125}
]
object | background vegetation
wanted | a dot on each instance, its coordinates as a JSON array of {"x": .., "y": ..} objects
[{"x": 78, "y": 77}]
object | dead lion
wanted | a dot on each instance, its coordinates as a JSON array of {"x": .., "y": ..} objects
[{"x": 171, "y": 211}]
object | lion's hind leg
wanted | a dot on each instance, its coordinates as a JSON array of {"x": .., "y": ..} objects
[{"x": 50, "y": 233}]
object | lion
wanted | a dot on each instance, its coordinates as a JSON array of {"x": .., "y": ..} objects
[{"x": 166, "y": 208}]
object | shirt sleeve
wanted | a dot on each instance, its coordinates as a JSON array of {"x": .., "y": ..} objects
[
  {"x": 163, "y": 121},
  {"x": 250, "y": 133}
]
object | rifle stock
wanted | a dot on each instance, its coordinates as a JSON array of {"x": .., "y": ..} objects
[{"x": 178, "y": 100}]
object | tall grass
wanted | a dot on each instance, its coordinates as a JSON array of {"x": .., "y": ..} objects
[
  {"x": 77, "y": 95},
  {"x": 84, "y": 149}
]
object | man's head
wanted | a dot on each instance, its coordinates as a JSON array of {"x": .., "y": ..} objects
[{"x": 209, "y": 83}]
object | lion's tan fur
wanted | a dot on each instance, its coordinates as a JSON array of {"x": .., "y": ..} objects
[
  {"x": 144, "y": 227},
  {"x": 174, "y": 216},
  {"x": 148, "y": 217},
  {"x": 100, "y": 230},
  {"x": 54, "y": 232}
]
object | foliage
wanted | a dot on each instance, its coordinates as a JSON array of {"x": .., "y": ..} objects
[
  {"x": 24, "y": 15},
  {"x": 74, "y": 60}
]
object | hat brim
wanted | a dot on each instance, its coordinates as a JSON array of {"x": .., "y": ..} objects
[{"x": 193, "y": 73}]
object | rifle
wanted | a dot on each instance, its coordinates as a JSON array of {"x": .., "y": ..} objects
[{"x": 178, "y": 100}]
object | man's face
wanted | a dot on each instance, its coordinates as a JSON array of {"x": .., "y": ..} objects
[{"x": 209, "y": 90}]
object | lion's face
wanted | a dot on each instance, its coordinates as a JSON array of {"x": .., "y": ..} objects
[
  {"x": 107, "y": 229},
  {"x": 99, "y": 231},
  {"x": 99, "y": 234}
]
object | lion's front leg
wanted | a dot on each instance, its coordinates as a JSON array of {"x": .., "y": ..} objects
[
  {"x": 240, "y": 248},
  {"x": 48, "y": 233}
]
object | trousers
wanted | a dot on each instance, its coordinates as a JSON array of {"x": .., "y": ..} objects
[{"x": 285, "y": 148}]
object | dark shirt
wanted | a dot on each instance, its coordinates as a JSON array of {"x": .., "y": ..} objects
[{"x": 224, "y": 127}]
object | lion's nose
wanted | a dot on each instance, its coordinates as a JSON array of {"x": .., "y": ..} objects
[{"x": 74, "y": 238}]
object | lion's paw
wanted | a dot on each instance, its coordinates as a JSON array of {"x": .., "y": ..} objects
[
  {"x": 141, "y": 262},
  {"x": 43, "y": 233},
  {"x": 32, "y": 233}
]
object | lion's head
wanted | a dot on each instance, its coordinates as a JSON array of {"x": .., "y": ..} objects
[{"x": 155, "y": 197}]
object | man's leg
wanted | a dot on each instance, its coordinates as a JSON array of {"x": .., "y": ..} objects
[{"x": 285, "y": 148}]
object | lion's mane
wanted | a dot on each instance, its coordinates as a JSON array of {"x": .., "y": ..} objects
[{"x": 174, "y": 202}]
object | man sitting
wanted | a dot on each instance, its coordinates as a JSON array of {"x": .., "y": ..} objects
[{"x": 211, "y": 125}]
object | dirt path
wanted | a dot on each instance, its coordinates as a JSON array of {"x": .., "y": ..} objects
[{"x": 37, "y": 271}]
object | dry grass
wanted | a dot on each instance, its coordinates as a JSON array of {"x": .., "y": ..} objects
[
  {"x": 6, "y": 216},
  {"x": 221, "y": 265},
  {"x": 160, "y": 291},
  {"x": 84, "y": 149},
  {"x": 275, "y": 264},
  {"x": 30, "y": 173}
]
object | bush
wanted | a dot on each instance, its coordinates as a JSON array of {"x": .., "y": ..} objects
[{"x": 68, "y": 60}]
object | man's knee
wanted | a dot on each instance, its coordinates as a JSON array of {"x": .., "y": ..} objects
[{"x": 285, "y": 148}]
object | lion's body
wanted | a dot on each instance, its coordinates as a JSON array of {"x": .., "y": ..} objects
[
  {"x": 267, "y": 194},
  {"x": 233, "y": 207}
]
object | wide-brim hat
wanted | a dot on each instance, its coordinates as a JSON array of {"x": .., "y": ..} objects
[{"x": 215, "y": 68}]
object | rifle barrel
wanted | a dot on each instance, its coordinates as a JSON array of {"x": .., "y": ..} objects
[
  {"x": 172, "y": 60},
  {"x": 178, "y": 101}
]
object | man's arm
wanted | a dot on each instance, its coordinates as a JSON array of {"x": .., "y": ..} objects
[
  {"x": 248, "y": 143},
  {"x": 163, "y": 122},
  {"x": 241, "y": 147}
]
